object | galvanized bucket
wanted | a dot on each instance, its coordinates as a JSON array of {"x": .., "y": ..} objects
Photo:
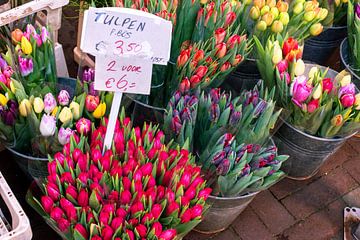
[
  {"x": 307, "y": 153},
  {"x": 345, "y": 62},
  {"x": 222, "y": 212}
]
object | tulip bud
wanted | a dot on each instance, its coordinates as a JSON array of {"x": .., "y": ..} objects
[
  {"x": 238, "y": 58},
  {"x": 47, "y": 203},
  {"x": 275, "y": 12},
  {"x": 201, "y": 71},
  {"x": 83, "y": 198},
  {"x": 63, "y": 225},
  {"x": 83, "y": 126},
  {"x": 199, "y": 55},
  {"x": 229, "y": 19},
  {"x": 322, "y": 14},
  {"x": 268, "y": 18},
  {"x": 309, "y": 16},
  {"x": 91, "y": 102},
  {"x": 196, "y": 211},
  {"x": 125, "y": 197},
  {"x": 107, "y": 233},
  {"x": 184, "y": 85},
  {"x": 38, "y": 105},
  {"x": 186, "y": 216},
  {"x": 142, "y": 230},
  {"x": 64, "y": 98},
  {"x": 298, "y": 8},
  {"x": 26, "y": 47},
  {"x": 312, "y": 105},
  {"x": 284, "y": 18},
  {"x": 47, "y": 125},
  {"x": 25, "y": 108},
  {"x": 357, "y": 101},
  {"x": 261, "y": 25},
  {"x": 100, "y": 111},
  {"x": 299, "y": 67},
  {"x": 347, "y": 100},
  {"x": 220, "y": 34},
  {"x": 183, "y": 58},
  {"x": 346, "y": 80},
  {"x": 277, "y": 55},
  {"x": 81, "y": 230},
  {"x": 316, "y": 29},
  {"x": 65, "y": 115},
  {"x": 16, "y": 35},
  {"x": 49, "y": 103},
  {"x": 264, "y": 9},
  {"x": 282, "y": 6},
  {"x": 3, "y": 100},
  {"x": 117, "y": 222},
  {"x": 204, "y": 193},
  {"x": 337, "y": 120},
  {"x": 71, "y": 192},
  {"x": 75, "y": 109},
  {"x": 254, "y": 13},
  {"x": 220, "y": 50},
  {"x": 317, "y": 92},
  {"x": 168, "y": 234},
  {"x": 156, "y": 210},
  {"x": 56, "y": 213},
  {"x": 64, "y": 135},
  {"x": 277, "y": 26},
  {"x": 194, "y": 81}
]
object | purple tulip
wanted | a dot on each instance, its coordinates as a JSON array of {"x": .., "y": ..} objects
[
  {"x": 300, "y": 91},
  {"x": 47, "y": 125},
  {"x": 64, "y": 135},
  {"x": 10, "y": 114},
  {"x": 49, "y": 103},
  {"x": 63, "y": 98},
  {"x": 357, "y": 10},
  {"x": 348, "y": 89},
  {"x": 235, "y": 118},
  {"x": 186, "y": 114},
  {"x": 25, "y": 66},
  {"x": 218, "y": 158},
  {"x": 215, "y": 95},
  {"x": 92, "y": 90},
  {"x": 88, "y": 75},
  {"x": 214, "y": 112},
  {"x": 44, "y": 34},
  {"x": 176, "y": 124},
  {"x": 3, "y": 63},
  {"x": 223, "y": 167}
]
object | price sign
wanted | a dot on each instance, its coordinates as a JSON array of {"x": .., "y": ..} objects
[
  {"x": 126, "y": 32},
  {"x": 130, "y": 75}
]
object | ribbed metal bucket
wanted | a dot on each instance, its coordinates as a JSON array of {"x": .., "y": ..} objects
[
  {"x": 222, "y": 212},
  {"x": 320, "y": 48},
  {"x": 345, "y": 62},
  {"x": 245, "y": 77},
  {"x": 307, "y": 153}
]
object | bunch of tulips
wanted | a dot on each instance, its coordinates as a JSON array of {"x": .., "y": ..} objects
[
  {"x": 138, "y": 189},
  {"x": 353, "y": 22}
]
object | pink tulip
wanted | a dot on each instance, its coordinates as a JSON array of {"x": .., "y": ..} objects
[
  {"x": 104, "y": 217},
  {"x": 59, "y": 157},
  {"x": 185, "y": 201},
  {"x": 67, "y": 177},
  {"x": 53, "y": 191},
  {"x": 282, "y": 66},
  {"x": 147, "y": 218},
  {"x": 126, "y": 183},
  {"x": 137, "y": 175},
  {"x": 300, "y": 91},
  {"x": 81, "y": 229},
  {"x": 170, "y": 195},
  {"x": 287, "y": 77},
  {"x": 146, "y": 169},
  {"x": 142, "y": 230},
  {"x": 83, "y": 198},
  {"x": 76, "y": 154},
  {"x": 107, "y": 232},
  {"x": 313, "y": 105},
  {"x": 168, "y": 234},
  {"x": 96, "y": 155},
  {"x": 120, "y": 212},
  {"x": 186, "y": 216},
  {"x": 327, "y": 85},
  {"x": 220, "y": 50},
  {"x": 156, "y": 210},
  {"x": 130, "y": 234},
  {"x": 83, "y": 126},
  {"x": 71, "y": 191},
  {"x": 91, "y": 102},
  {"x": 205, "y": 193},
  {"x": 136, "y": 207},
  {"x": 116, "y": 223},
  {"x": 125, "y": 197},
  {"x": 185, "y": 179},
  {"x": 90, "y": 217},
  {"x": 83, "y": 177},
  {"x": 196, "y": 211},
  {"x": 348, "y": 89},
  {"x": 157, "y": 227},
  {"x": 63, "y": 97},
  {"x": 63, "y": 224},
  {"x": 105, "y": 163},
  {"x": 347, "y": 100},
  {"x": 56, "y": 213},
  {"x": 47, "y": 203},
  {"x": 198, "y": 181},
  {"x": 83, "y": 163},
  {"x": 190, "y": 193},
  {"x": 52, "y": 168},
  {"x": 96, "y": 237},
  {"x": 172, "y": 207}
]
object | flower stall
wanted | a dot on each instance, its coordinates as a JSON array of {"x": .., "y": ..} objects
[{"x": 163, "y": 134}]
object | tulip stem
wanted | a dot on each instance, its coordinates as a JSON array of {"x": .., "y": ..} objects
[{"x": 114, "y": 112}]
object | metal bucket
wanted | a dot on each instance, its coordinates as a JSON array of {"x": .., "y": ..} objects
[
  {"x": 345, "y": 62},
  {"x": 222, "y": 212},
  {"x": 245, "y": 77},
  {"x": 320, "y": 48},
  {"x": 307, "y": 153}
]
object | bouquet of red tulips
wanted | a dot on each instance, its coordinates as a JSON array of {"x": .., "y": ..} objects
[{"x": 138, "y": 189}]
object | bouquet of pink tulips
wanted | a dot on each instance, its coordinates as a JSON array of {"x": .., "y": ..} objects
[{"x": 138, "y": 189}]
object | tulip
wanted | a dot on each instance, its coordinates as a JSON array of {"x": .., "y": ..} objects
[
  {"x": 183, "y": 58},
  {"x": 64, "y": 135},
  {"x": 277, "y": 26},
  {"x": 107, "y": 233},
  {"x": 254, "y": 13},
  {"x": 81, "y": 230},
  {"x": 348, "y": 89},
  {"x": 25, "y": 66},
  {"x": 220, "y": 50},
  {"x": 38, "y": 105},
  {"x": 16, "y": 35},
  {"x": 199, "y": 55},
  {"x": 288, "y": 45},
  {"x": 232, "y": 41},
  {"x": 25, "y": 108},
  {"x": 316, "y": 29},
  {"x": 261, "y": 26},
  {"x": 56, "y": 213},
  {"x": 44, "y": 34},
  {"x": 282, "y": 65},
  {"x": 71, "y": 192},
  {"x": 229, "y": 19},
  {"x": 3, "y": 100},
  {"x": 346, "y": 80},
  {"x": 282, "y": 6},
  {"x": 194, "y": 81},
  {"x": 91, "y": 103},
  {"x": 204, "y": 193},
  {"x": 300, "y": 91},
  {"x": 63, "y": 98},
  {"x": 142, "y": 230},
  {"x": 196, "y": 211},
  {"x": 277, "y": 56},
  {"x": 317, "y": 92},
  {"x": 327, "y": 85},
  {"x": 83, "y": 126},
  {"x": 63, "y": 225},
  {"x": 298, "y": 8},
  {"x": 47, "y": 203},
  {"x": 168, "y": 234},
  {"x": 26, "y": 46},
  {"x": 116, "y": 223},
  {"x": 75, "y": 109},
  {"x": 347, "y": 100},
  {"x": 337, "y": 120},
  {"x": 100, "y": 111},
  {"x": 313, "y": 105},
  {"x": 47, "y": 125},
  {"x": 264, "y": 10},
  {"x": 83, "y": 198},
  {"x": 220, "y": 34},
  {"x": 186, "y": 216},
  {"x": 284, "y": 18},
  {"x": 357, "y": 101},
  {"x": 268, "y": 18},
  {"x": 201, "y": 71},
  {"x": 49, "y": 103},
  {"x": 299, "y": 67},
  {"x": 309, "y": 16},
  {"x": 65, "y": 115}
]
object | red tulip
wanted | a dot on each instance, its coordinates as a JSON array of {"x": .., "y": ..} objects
[
  {"x": 146, "y": 169},
  {"x": 63, "y": 224},
  {"x": 172, "y": 207},
  {"x": 220, "y": 34},
  {"x": 81, "y": 230},
  {"x": 52, "y": 178},
  {"x": 83, "y": 126},
  {"x": 71, "y": 191},
  {"x": 289, "y": 45},
  {"x": 65, "y": 204},
  {"x": 96, "y": 237},
  {"x": 220, "y": 50},
  {"x": 56, "y": 213},
  {"x": 156, "y": 210},
  {"x": 194, "y": 81},
  {"x": 226, "y": 66},
  {"x": 90, "y": 217},
  {"x": 126, "y": 183},
  {"x": 120, "y": 212},
  {"x": 107, "y": 232},
  {"x": 52, "y": 191},
  {"x": 230, "y": 18},
  {"x": 201, "y": 71},
  {"x": 183, "y": 58},
  {"x": 116, "y": 223},
  {"x": 59, "y": 157},
  {"x": 238, "y": 58},
  {"x": 186, "y": 216},
  {"x": 142, "y": 230},
  {"x": 184, "y": 201},
  {"x": 137, "y": 175},
  {"x": 196, "y": 211},
  {"x": 185, "y": 179},
  {"x": 199, "y": 55},
  {"x": 327, "y": 85},
  {"x": 204, "y": 193},
  {"x": 104, "y": 217},
  {"x": 151, "y": 182},
  {"x": 66, "y": 149},
  {"x": 76, "y": 154},
  {"x": 91, "y": 102},
  {"x": 83, "y": 198},
  {"x": 133, "y": 221},
  {"x": 83, "y": 177},
  {"x": 67, "y": 177},
  {"x": 184, "y": 85},
  {"x": 47, "y": 203},
  {"x": 157, "y": 228},
  {"x": 147, "y": 218},
  {"x": 198, "y": 181},
  {"x": 52, "y": 168},
  {"x": 125, "y": 197},
  {"x": 232, "y": 41},
  {"x": 313, "y": 105},
  {"x": 130, "y": 234},
  {"x": 136, "y": 207},
  {"x": 168, "y": 234},
  {"x": 190, "y": 193}
]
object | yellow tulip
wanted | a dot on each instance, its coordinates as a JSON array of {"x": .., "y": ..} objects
[
  {"x": 268, "y": 18},
  {"x": 38, "y": 105},
  {"x": 75, "y": 109},
  {"x": 317, "y": 92},
  {"x": 313, "y": 71},
  {"x": 100, "y": 111},
  {"x": 357, "y": 101},
  {"x": 277, "y": 55},
  {"x": 346, "y": 80},
  {"x": 309, "y": 16},
  {"x": 54, "y": 111},
  {"x": 264, "y": 10},
  {"x": 65, "y": 115},
  {"x": 261, "y": 25},
  {"x": 284, "y": 18},
  {"x": 12, "y": 87},
  {"x": 275, "y": 12},
  {"x": 298, "y": 8},
  {"x": 322, "y": 14},
  {"x": 26, "y": 46},
  {"x": 316, "y": 29},
  {"x": 3, "y": 100},
  {"x": 271, "y": 3},
  {"x": 277, "y": 26},
  {"x": 299, "y": 67},
  {"x": 254, "y": 13},
  {"x": 25, "y": 108}
]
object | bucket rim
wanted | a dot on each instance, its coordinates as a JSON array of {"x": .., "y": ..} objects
[
  {"x": 316, "y": 137},
  {"x": 247, "y": 195},
  {"x": 335, "y": 27},
  {"x": 346, "y": 64},
  {"x": 144, "y": 104},
  {"x": 13, "y": 151}
]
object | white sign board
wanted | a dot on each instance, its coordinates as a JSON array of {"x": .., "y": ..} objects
[
  {"x": 126, "y": 32},
  {"x": 119, "y": 74}
]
